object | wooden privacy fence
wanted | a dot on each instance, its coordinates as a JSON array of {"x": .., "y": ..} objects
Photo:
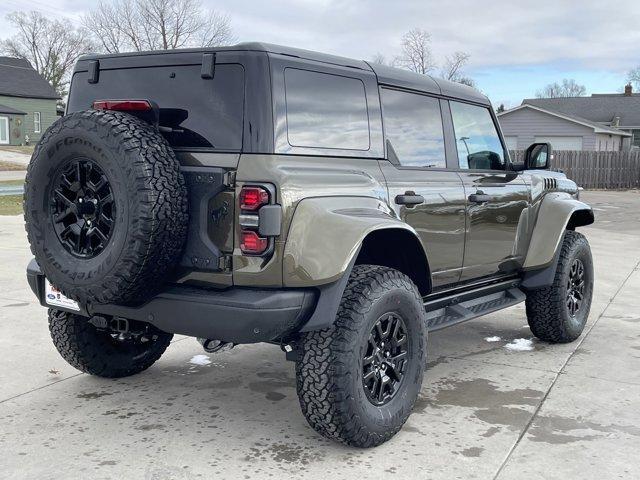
[{"x": 605, "y": 170}]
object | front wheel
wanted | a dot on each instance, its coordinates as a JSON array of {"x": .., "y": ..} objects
[
  {"x": 559, "y": 312},
  {"x": 358, "y": 381},
  {"x": 104, "y": 353}
]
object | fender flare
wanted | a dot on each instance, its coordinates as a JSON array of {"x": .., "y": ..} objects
[
  {"x": 326, "y": 234},
  {"x": 313, "y": 257},
  {"x": 558, "y": 211}
]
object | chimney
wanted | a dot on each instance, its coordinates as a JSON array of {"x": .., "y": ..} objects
[{"x": 628, "y": 90}]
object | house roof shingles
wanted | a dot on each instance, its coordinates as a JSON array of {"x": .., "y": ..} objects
[
  {"x": 598, "y": 108},
  {"x": 19, "y": 79}
]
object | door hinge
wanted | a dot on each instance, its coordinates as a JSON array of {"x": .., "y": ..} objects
[
  {"x": 225, "y": 263},
  {"x": 229, "y": 179}
]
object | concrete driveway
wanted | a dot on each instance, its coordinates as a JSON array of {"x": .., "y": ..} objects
[{"x": 489, "y": 407}]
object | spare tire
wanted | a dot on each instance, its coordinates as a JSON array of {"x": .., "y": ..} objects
[{"x": 105, "y": 207}]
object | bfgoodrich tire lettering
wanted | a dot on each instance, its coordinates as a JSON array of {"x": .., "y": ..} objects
[
  {"x": 329, "y": 371},
  {"x": 550, "y": 316},
  {"x": 150, "y": 205}
]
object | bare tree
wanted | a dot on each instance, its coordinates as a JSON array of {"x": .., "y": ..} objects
[
  {"x": 452, "y": 69},
  {"x": 104, "y": 24},
  {"x": 156, "y": 25},
  {"x": 416, "y": 51},
  {"x": 634, "y": 77},
  {"x": 379, "y": 58},
  {"x": 51, "y": 46},
  {"x": 416, "y": 55},
  {"x": 568, "y": 88}
]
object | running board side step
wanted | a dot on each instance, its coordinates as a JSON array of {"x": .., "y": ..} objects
[{"x": 448, "y": 311}]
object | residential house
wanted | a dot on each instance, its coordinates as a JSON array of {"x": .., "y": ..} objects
[
  {"x": 601, "y": 122},
  {"x": 27, "y": 102}
]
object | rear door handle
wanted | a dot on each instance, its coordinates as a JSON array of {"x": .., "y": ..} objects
[
  {"x": 409, "y": 199},
  {"x": 479, "y": 197}
]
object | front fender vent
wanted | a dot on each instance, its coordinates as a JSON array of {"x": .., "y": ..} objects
[{"x": 550, "y": 184}]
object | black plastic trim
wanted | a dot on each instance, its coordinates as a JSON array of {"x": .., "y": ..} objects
[
  {"x": 473, "y": 307},
  {"x": 203, "y": 183},
  {"x": 238, "y": 315},
  {"x": 328, "y": 302},
  {"x": 469, "y": 292},
  {"x": 542, "y": 277},
  {"x": 208, "y": 65},
  {"x": 94, "y": 71},
  {"x": 270, "y": 222}
]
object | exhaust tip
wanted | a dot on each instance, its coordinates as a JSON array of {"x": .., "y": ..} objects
[{"x": 212, "y": 346}]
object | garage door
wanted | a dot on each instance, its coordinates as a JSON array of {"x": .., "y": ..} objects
[
  {"x": 562, "y": 143},
  {"x": 512, "y": 143}
]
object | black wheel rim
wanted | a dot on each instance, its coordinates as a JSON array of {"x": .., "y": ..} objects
[
  {"x": 83, "y": 208},
  {"x": 575, "y": 287},
  {"x": 384, "y": 362}
]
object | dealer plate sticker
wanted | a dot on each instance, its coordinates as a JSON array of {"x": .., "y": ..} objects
[{"x": 55, "y": 298}]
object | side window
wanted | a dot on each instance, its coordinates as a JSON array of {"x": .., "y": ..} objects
[
  {"x": 477, "y": 140},
  {"x": 413, "y": 125},
  {"x": 325, "y": 111}
]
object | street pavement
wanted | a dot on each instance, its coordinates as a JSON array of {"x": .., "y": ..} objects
[{"x": 495, "y": 403}]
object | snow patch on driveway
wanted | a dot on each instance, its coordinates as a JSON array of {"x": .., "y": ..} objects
[
  {"x": 520, "y": 345},
  {"x": 200, "y": 360},
  {"x": 493, "y": 339}
]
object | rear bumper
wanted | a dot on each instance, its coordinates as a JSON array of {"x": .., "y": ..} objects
[{"x": 238, "y": 315}]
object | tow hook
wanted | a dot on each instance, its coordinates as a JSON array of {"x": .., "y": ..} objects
[{"x": 213, "y": 346}]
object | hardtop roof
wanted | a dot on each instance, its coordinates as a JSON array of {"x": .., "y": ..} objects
[{"x": 390, "y": 76}]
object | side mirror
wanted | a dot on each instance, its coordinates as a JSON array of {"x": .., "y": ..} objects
[{"x": 538, "y": 156}]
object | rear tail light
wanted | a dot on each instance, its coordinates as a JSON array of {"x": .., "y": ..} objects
[
  {"x": 253, "y": 244},
  {"x": 252, "y": 198},
  {"x": 123, "y": 105}
]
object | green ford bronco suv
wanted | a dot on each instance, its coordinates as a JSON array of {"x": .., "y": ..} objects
[{"x": 336, "y": 208}]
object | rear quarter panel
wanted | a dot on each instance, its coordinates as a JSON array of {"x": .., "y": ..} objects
[{"x": 297, "y": 177}]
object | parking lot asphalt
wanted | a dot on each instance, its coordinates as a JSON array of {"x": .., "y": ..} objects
[{"x": 493, "y": 404}]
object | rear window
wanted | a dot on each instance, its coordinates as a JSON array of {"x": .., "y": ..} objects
[
  {"x": 204, "y": 113},
  {"x": 326, "y": 111}
]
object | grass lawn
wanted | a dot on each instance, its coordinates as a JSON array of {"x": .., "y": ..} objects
[
  {"x": 10, "y": 205},
  {"x": 18, "y": 149},
  {"x": 11, "y": 166}
]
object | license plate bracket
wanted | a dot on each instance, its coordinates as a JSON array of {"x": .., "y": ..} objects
[{"x": 56, "y": 298}]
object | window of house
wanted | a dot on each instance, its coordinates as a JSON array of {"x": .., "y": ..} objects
[
  {"x": 635, "y": 140},
  {"x": 325, "y": 111},
  {"x": 477, "y": 140},
  {"x": 36, "y": 122},
  {"x": 4, "y": 130},
  {"x": 413, "y": 126}
]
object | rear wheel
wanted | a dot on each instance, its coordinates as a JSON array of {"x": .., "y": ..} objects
[
  {"x": 358, "y": 381},
  {"x": 559, "y": 312},
  {"x": 102, "y": 352}
]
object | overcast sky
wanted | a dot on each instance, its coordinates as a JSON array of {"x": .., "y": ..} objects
[{"x": 516, "y": 47}]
